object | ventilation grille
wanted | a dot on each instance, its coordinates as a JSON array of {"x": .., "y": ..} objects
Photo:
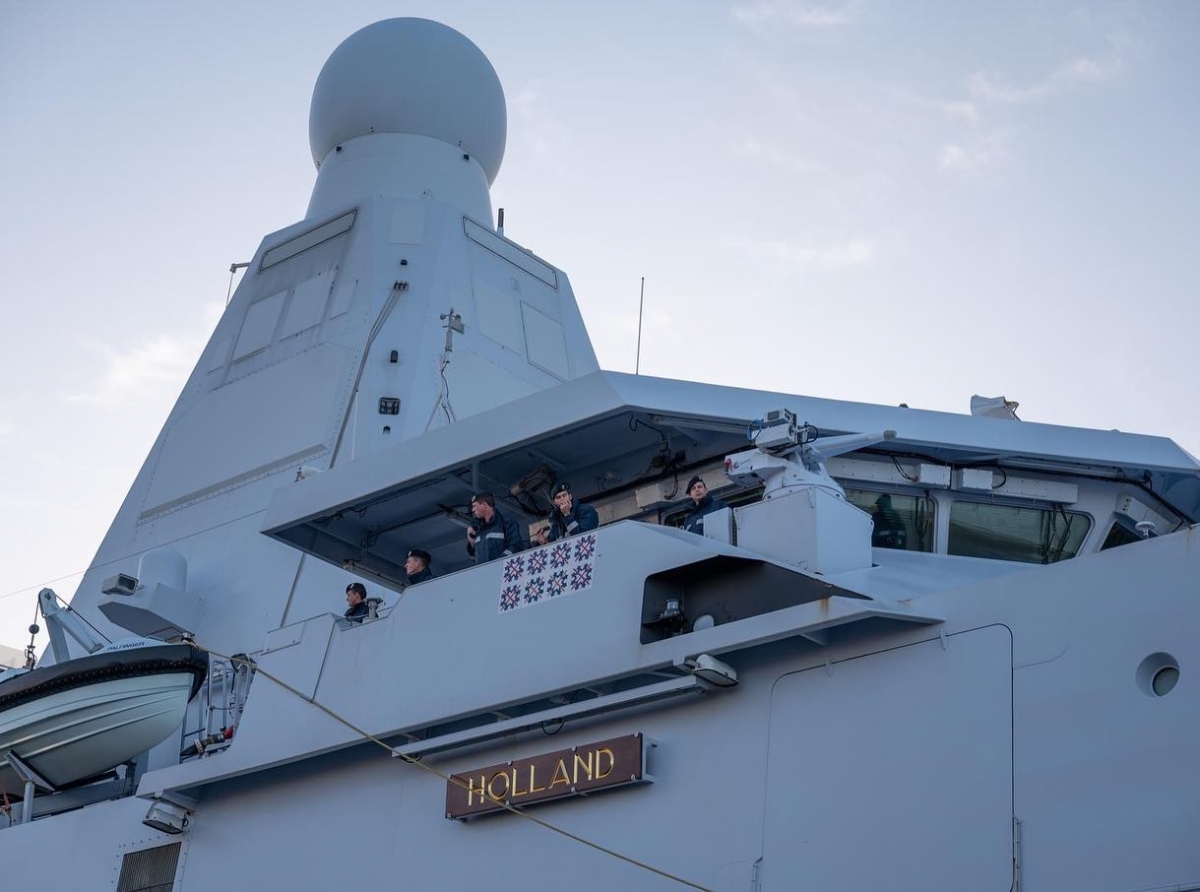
[{"x": 149, "y": 870}]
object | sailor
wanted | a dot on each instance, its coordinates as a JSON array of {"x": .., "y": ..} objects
[
  {"x": 356, "y": 597},
  {"x": 416, "y": 568},
  {"x": 567, "y": 518},
  {"x": 491, "y": 535},
  {"x": 888, "y": 530},
  {"x": 703, "y": 504}
]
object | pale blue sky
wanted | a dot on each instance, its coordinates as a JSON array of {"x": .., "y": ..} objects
[{"x": 880, "y": 201}]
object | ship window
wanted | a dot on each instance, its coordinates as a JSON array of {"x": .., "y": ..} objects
[
  {"x": 901, "y": 521},
  {"x": 1119, "y": 535},
  {"x": 1016, "y": 533},
  {"x": 149, "y": 870}
]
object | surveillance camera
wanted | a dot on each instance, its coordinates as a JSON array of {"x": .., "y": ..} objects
[{"x": 121, "y": 584}]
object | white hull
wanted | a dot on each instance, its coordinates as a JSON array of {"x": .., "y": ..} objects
[{"x": 75, "y": 734}]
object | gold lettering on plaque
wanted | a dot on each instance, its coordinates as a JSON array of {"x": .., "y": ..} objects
[
  {"x": 471, "y": 790},
  {"x": 587, "y": 767},
  {"x": 499, "y": 775},
  {"x": 612, "y": 760},
  {"x": 516, "y": 789},
  {"x": 560, "y": 770},
  {"x": 533, "y": 787},
  {"x": 578, "y": 770}
]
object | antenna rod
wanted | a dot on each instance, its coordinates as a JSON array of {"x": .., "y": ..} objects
[
  {"x": 233, "y": 268},
  {"x": 637, "y": 365}
]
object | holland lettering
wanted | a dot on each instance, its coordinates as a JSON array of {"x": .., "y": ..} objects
[{"x": 557, "y": 775}]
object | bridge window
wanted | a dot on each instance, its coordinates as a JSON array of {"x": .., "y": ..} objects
[
  {"x": 1119, "y": 535},
  {"x": 904, "y": 522},
  {"x": 1016, "y": 533}
]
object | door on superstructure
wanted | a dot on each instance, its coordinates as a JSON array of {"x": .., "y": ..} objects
[{"x": 893, "y": 770}]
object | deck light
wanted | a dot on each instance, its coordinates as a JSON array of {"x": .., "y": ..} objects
[
  {"x": 714, "y": 671},
  {"x": 167, "y": 817}
]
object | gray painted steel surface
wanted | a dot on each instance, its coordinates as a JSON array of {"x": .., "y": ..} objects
[{"x": 930, "y": 721}]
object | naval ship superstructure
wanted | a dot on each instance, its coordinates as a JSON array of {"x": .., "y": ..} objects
[{"x": 917, "y": 651}]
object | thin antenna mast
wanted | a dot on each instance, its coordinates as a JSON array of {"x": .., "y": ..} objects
[
  {"x": 233, "y": 268},
  {"x": 637, "y": 365}
]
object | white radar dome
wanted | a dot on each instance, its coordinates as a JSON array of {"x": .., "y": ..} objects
[{"x": 410, "y": 76}]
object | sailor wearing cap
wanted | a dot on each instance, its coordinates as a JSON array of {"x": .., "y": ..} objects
[
  {"x": 567, "y": 518},
  {"x": 417, "y": 566},
  {"x": 702, "y": 504},
  {"x": 356, "y": 599},
  {"x": 491, "y": 535}
]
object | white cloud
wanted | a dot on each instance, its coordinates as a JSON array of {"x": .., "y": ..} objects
[
  {"x": 157, "y": 364},
  {"x": 538, "y": 127},
  {"x": 795, "y": 15},
  {"x": 1125, "y": 44},
  {"x": 773, "y": 155},
  {"x": 856, "y": 252},
  {"x": 1082, "y": 70},
  {"x": 955, "y": 109},
  {"x": 973, "y": 154},
  {"x": 955, "y": 158},
  {"x": 964, "y": 110}
]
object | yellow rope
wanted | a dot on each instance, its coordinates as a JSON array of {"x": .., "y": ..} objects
[{"x": 366, "y": 735}]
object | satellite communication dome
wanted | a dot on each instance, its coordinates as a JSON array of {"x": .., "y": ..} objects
[{"x": 410, "y": 75}]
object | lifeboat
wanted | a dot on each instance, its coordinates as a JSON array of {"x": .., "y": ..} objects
[{"x": 73, "y": 721}]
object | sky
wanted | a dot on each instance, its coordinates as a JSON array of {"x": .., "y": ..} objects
[{"x": 872, "y": 200}]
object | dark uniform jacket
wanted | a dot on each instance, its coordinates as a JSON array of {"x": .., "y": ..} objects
[
  {"x": 500, "y": 538},
  {"x": 420, "y": 576},
  {"x": 694, "y": 522},
  {"x": 580, "y": 519},
  {"x": 358, "y": 612}
]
